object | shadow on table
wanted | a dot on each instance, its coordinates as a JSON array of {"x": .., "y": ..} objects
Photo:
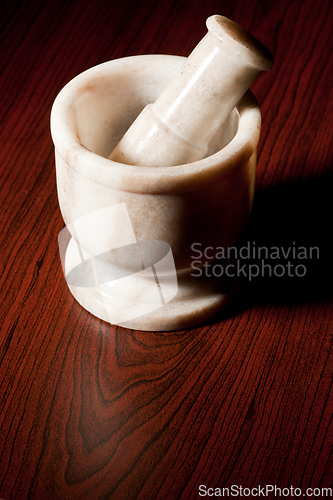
[{"x": 294, "y": 221}]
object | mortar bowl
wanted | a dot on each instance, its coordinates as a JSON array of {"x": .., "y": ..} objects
[{"x": 135, "y": 231}]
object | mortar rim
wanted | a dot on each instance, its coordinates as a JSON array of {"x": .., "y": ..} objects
[{"x": 148, "y": 180}]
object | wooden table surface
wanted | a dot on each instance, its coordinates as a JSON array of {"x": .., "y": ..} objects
[{"x": 92, "y": 411}]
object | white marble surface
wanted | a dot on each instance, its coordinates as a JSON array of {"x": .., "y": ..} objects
[{"x": 207, "y": 201}]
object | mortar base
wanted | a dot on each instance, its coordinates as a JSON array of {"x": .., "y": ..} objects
[{"x": 198, "y": 299}]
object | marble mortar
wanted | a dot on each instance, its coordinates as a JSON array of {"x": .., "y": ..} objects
[{"x": 207, "y": 201}]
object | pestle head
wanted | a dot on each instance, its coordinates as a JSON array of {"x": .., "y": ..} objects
[
  {"x": 240, "y": 42},
  {"x": 198, "y": 102}
]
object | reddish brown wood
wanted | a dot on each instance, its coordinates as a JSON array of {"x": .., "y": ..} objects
[{"x": 91, "y": 411}]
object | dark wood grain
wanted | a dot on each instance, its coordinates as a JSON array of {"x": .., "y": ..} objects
[{"x": 91, "y": 411}]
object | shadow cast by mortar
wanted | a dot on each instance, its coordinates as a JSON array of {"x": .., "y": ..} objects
[{"x": 294, "y": 217}]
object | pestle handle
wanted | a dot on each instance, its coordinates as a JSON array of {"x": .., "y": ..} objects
[{"x": 177, "y": 128}]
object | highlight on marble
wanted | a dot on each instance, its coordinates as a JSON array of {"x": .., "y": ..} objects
[{"x": 153, "y": 154}]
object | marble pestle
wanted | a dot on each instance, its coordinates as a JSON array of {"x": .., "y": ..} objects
[{"x": 179, "y": 126}]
